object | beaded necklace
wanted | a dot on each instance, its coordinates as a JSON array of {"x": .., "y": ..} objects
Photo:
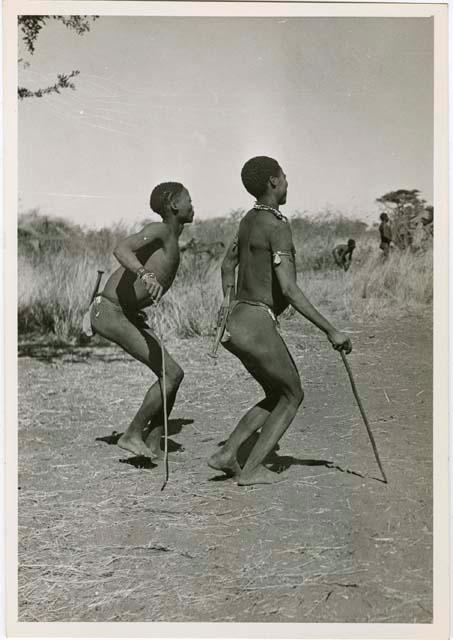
[{"x": 266, "y": 207}]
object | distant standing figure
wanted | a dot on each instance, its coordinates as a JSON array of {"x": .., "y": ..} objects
[
  {"x": 385, "y": 231},
  {"x": 342, "y": 254}
]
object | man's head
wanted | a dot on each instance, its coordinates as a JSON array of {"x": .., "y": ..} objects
[
  {"x": 384, "y": 217},
  {"x": 262, "y": 176},
  {"x": 172, "y": 199},
  {"x": 351, "y": 244}
]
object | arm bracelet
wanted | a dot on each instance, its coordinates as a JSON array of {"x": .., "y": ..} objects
[{"x": 143, "y": 274}]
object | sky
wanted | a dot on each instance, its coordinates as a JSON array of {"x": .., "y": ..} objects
[{"x": 344, "y": 104}]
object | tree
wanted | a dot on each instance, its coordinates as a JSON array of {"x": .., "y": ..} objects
[
  {"x": 402, "y": 197},
  {"x": 30, "y": 28},
  {"x": 411, "y": 217}
]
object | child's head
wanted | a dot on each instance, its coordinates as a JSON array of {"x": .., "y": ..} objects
[
  {"x": 351, "y": 243},
  {"x": 261, "y": 175},
  {"x": 172, "y": 198},
  {"x": 384, "y": 217}
]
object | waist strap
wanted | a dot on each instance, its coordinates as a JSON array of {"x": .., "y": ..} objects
[{"x": 256, "y": 303}]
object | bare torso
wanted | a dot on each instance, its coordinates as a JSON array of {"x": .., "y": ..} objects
[
  {"x": 161, "y": 257},
  {"x": 256, "y": 278},
  {"x": 343, "y": 252}
]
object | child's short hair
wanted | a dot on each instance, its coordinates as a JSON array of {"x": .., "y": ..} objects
[
  {"x": 162, "y": 194},
  {"x": 351, "y": 242},
  {"x": 256, "y": 172},
  {"x": 384, "y": 216}
]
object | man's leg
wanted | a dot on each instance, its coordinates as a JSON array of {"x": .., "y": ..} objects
[
  {"x": 336, "y": 258},
  {"x": 275, "y": 364},
  {"x": 385, "y": 246},
  {"x": 142, "y": 344},
  {"x": 225, "y": 459},
  {"x": 256, "y": 342},
  {"x": 273, "y": 429}
]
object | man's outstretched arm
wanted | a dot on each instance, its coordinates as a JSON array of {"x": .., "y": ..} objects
[{"x": 281, "y": 245}]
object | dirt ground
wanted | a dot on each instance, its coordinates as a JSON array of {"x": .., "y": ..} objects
[{"x": 99, "y": 541}]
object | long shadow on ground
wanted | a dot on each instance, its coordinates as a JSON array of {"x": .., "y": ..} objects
[
  {"x": 48, "y": 352},
  {"x": 279, "y": 463},
  {"x": 175, "y": 426}
]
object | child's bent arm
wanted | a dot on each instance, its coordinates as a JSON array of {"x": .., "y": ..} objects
[{"x": 125, "y": 250}]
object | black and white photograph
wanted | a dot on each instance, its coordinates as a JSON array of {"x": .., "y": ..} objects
[{"x": 228, "y": 228}]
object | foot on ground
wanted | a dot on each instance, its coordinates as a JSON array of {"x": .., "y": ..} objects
[
  {"x": 135, "y": 445},
  {"x": 226, "y": 462},
  {"x": 153, "y": 440},
  {"x": 260, "y": 475}
]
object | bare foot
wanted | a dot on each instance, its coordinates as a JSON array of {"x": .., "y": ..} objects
[
  {"x": 135, "y": 445},
  {"x": 260, "y": 475},
  {"x": 152, "y": 438},
  {"x": 152, "y": 441},
  {"x": 226, "y": 462}
]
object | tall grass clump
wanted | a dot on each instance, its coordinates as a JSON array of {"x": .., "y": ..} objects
[
  {"x": 53, "y": 294},
  {"x": 374, "y": 289},
  {"x": 54, "y": 290}
]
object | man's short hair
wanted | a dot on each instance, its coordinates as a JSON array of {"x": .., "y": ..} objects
[
  {"x": 256, "y": 173},
  {"x": 162, "y": 194}
]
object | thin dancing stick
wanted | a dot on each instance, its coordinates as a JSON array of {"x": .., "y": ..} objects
[
  {"x": 362, "y": 411},
  {"x": 164, "y": 397}
]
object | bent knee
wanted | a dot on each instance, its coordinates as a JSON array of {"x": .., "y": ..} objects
[
  {"x": 295, "y": 396},
  {"x": 174, "y": 375}
]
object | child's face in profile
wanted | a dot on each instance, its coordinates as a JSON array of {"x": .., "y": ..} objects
[{"x": 185, "y": 207}]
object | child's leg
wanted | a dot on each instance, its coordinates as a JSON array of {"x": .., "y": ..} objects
[
  {"x": 142, "y": 344},
  {"x": 154, "y": 430}
]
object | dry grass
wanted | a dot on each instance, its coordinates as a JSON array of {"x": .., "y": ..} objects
[
  {"x": 53, "y": 293},
  {"x": 374, "y": 288},
  {"x": 55, "y": 284}
]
